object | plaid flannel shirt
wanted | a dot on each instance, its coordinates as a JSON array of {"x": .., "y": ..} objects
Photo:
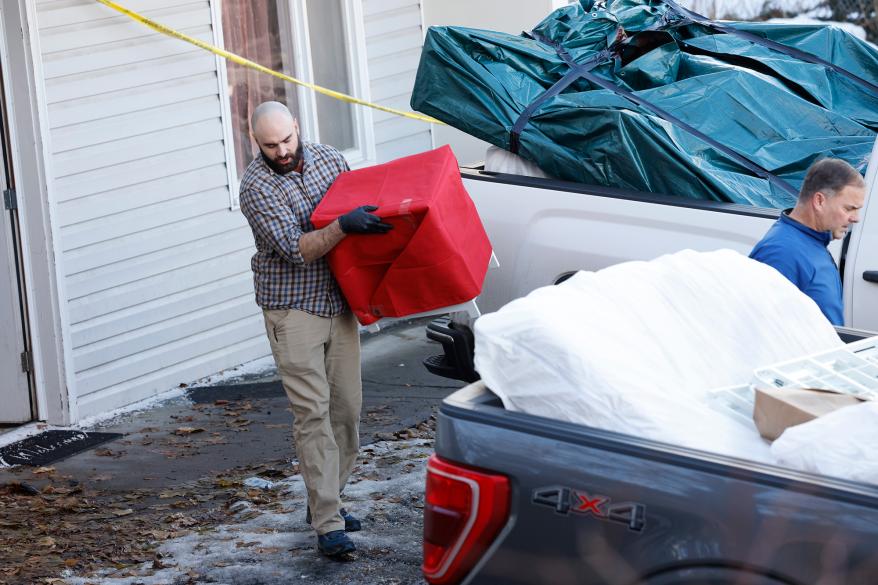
[{"x": 278, "y": 209}]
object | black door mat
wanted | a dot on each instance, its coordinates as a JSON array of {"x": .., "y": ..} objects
[
  {"x": 208, "y": 394},
  {"x": 51, "y": 446}
]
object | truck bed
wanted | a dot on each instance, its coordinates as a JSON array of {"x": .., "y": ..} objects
[{"x": 591, "y": 506}]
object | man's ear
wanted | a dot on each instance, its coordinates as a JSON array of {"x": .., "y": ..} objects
[{"x": 818, "y": 200}]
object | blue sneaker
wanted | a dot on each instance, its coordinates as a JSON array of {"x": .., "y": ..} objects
[
  {"x": 351, "y": 522},
  {"x": 335, "y": 544}
]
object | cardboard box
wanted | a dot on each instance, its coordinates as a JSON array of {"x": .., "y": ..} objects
[{"x": 776, "y": 409}]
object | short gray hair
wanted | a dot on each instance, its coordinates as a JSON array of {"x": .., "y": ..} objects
[
  {"x": 265, "y": 108},
  {"x": 829, "y": 176}
]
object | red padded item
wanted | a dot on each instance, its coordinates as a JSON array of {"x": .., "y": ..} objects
[{"x": 435, "y": 256}]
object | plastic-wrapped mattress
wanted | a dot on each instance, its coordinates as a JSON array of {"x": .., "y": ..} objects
[
  {"x": 645, "y": 95},
  {"x": 636, "y": 347}
]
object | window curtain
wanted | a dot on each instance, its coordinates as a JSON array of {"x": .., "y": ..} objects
[{"x": 252, "y": 29}]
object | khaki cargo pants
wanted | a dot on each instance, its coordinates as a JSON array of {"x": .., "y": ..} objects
[{"x": 318, "y": 359}]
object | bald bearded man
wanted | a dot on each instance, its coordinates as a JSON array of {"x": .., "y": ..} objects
[{"x": 313, "y": 334}]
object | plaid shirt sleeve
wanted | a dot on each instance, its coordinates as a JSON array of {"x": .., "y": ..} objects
[{"x": 274, "y": 222}]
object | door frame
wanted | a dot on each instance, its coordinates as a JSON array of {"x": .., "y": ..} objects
[
  {"x": 30, "y": 153},
  {"x": 23, "y": 378}
]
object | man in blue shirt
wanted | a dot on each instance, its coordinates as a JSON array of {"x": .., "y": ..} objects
[{"x": 829, "y": 202}]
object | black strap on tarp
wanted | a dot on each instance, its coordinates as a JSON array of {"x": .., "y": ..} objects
[
  {"x": 667, "y": 116},
  {"x": 584, "y": 71},
  {"x": 774, "y": 45},
  {"x": 577, "y": 70}
]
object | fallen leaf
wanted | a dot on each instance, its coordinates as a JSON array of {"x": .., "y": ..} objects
[
  {"x": 8, "y": 524},
  {"x": 46, "y": 541},
  {"x": 125, "y": 512},
  {"x": 71, "y": 562},
  {"x": 181, "y": 520},
  {"x": 159, "y": 534},
  {"x": 188, "y": 430},
  {"x": 19, "y": 488},
  {"x": 61, "y": 491},
  {"x": 220, "y": 402},
  {"x": 42, "y": 470},
  {"x": 268, "y": 550},
  {"x": 171, "y": 494}
]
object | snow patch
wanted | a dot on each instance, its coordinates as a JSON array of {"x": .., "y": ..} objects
[
  {"x": 258, "y": 367},
  {"x": 108, "y": 417}
]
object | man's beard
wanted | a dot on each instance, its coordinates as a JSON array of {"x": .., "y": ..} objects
[{"x": 283, "y": 169}]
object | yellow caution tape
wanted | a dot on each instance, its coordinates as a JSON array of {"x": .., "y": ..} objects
[{"x": 252, "y": 65}]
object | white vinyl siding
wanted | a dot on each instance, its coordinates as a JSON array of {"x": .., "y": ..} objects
[
  {"x": 394, "y": 37},
  {"x": 157, "y": 274}
]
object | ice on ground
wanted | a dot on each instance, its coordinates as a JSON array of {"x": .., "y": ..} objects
[{"x": 386, "y": 491}]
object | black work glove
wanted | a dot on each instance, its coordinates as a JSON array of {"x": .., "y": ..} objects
[{"x": 360, "y": 221}]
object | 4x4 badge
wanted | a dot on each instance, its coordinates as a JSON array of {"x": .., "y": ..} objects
[{"x": 566, "y": 500}]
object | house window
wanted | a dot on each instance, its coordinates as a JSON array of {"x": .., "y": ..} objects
[
  {"x": 328, "y": 41},
  {"x": 314, "y": 40}
]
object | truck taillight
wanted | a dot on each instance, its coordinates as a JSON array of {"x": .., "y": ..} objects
[{"x": 463, "y": 513}]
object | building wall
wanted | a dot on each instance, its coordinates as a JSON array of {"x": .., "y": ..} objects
[
  {"x": 394, "y": 37},
  {"x": 155, "y": 263}
]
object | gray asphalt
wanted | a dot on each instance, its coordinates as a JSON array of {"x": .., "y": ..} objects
[{"x": 249, "y": 421}]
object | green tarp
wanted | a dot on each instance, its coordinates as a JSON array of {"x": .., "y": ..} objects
[{"x": 644, "y": 95}]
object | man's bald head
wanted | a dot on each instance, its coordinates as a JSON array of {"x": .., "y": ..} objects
[
  {"x": 269, "y": 111},
  {"x": 276, "y": 132}
]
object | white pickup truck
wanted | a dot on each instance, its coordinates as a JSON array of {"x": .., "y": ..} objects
[
  {"x": 544, "y": 230},
  {"x": 550, "y": 501}
]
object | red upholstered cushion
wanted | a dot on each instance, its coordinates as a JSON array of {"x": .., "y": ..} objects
[{"x": 435, "y": 256}]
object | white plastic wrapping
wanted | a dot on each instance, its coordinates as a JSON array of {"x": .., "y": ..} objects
[
  {"x": 636, "y": 347},
  {"x": 498, "y": 160},
  {"x": 839, "y": 444}
]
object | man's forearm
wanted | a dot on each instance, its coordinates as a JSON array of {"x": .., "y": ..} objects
[{"x": 318, "y": 243}]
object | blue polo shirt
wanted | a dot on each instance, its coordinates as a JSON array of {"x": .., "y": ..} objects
[{"x": 800, "y": 254}]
